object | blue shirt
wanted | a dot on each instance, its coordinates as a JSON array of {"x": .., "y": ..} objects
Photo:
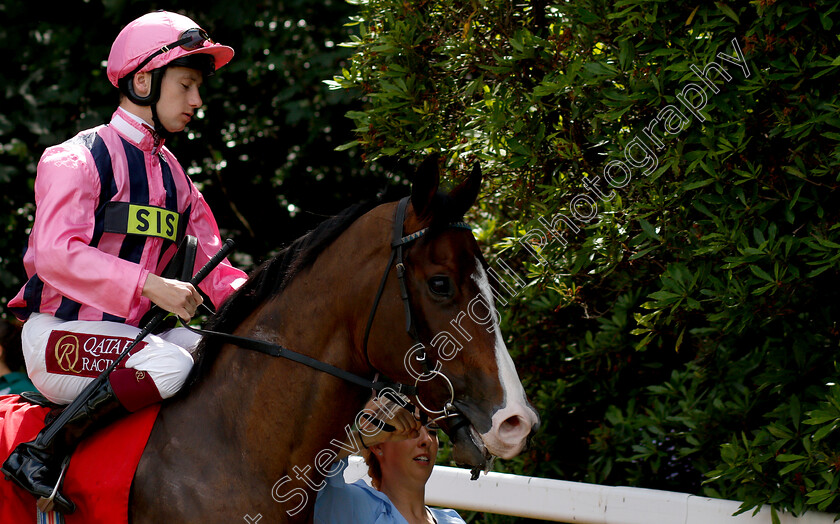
[{"x": 358, "y": 503}]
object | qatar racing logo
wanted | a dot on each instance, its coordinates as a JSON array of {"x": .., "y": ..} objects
[{"x": 85, "y": 355}]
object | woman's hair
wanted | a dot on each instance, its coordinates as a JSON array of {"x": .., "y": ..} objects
[
  {"x": 10, "y": 340},
  {"x": 374, "y": 468}
]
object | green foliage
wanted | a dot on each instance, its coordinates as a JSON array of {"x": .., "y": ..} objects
[{"x": 676, "y": 271}]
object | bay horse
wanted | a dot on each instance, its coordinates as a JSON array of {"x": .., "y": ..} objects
[{"x": 218, "y": 450}]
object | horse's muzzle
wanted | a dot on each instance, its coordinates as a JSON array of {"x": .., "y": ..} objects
[{"x": 467, "y": 448}]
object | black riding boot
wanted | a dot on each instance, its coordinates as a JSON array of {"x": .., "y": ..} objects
[{"x": 35, "y": 466}]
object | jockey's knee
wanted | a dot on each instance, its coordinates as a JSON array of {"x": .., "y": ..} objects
[{"x": 169, "y": 371}]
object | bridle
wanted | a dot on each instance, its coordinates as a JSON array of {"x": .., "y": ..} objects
[{"x": 396, "y": 260}]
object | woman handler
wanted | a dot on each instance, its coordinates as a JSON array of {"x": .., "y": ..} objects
[
  {"x": 112, "y": 203},
  {"x": 399, "y": 463}
]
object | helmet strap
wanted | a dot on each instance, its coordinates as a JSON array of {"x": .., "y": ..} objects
[
  {"x": 126, "y": 85},
  {"x": 159, "y": 129}
]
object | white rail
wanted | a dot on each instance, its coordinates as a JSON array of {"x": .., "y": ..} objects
[{"x": 579, "y": 503}]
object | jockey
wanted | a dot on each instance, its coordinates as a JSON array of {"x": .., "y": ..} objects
[{"x": 112, "y": 204}]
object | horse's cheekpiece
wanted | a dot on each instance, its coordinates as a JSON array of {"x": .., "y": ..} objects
[{"x": 397, "y": 261}]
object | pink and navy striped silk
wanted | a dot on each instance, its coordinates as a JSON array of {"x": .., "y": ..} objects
[{"x": 79, "y": 271}]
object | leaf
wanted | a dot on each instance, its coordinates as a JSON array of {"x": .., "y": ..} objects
[
  {"x": 691, "y": 16},
  {"x": 725, "y": 9},
  {"x": 626, "y": 53},
  {"x": 791, "y": 467},
  {"x": 643, "y": 252},
  {"x": 600, "y": 69},
  {"x": 348, "y": 145},
  {"x": 698, "y": 184},
  {"x": 679, "y": 340},
  {"x": 663, "y": 295},
  {"x": 760, "y": 273},
  {"x": 789, "y": 457},
  {"x": 824, "y": 432},
  {"x": 649, "y": 229},
  {"x": 779, "y": 432},
  {"x": 820, "y": 417}
]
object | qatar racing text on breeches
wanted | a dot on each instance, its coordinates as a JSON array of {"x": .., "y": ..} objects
[{"x": 62, "y": 357}]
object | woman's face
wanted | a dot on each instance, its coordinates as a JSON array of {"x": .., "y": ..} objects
[{"x": 409, "y": 460}]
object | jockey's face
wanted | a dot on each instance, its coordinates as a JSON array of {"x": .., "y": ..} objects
[{"x": 179, "y": 97}]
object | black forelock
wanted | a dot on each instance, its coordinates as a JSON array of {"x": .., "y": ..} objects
[{"x": 442, "y": 212}]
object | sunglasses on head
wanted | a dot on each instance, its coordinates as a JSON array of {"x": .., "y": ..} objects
[{"x": 190, "y": 40}]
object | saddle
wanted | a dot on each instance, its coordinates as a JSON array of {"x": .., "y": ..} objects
[
  {"x": 100, "y": 472},
  {"x": 37, "y": 399}
]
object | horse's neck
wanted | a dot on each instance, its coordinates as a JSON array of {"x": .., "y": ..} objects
[
  {"x": 286, "y": 403},
  {"x": 271, "y": 417}
]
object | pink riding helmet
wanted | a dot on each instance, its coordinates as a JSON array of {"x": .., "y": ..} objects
[{"x": 151, "y": 34}]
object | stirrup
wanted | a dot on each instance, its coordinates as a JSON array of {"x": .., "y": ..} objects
[{"x": 47, "y": 504}]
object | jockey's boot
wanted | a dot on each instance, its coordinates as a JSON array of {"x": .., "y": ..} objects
[{"x": 36, "y": 466}]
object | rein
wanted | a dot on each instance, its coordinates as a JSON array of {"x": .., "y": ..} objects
[
  {"x": 276, "y": 350},
  {"x": 396, "y": 259}
]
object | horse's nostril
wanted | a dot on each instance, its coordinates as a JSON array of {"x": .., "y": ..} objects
[{"x": 513, "y": 427}]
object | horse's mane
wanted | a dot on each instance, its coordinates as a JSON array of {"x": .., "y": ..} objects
[{"x": 271, "y": 278}]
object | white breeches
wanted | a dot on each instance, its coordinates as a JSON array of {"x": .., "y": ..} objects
[{"x": 57, "y": 369}]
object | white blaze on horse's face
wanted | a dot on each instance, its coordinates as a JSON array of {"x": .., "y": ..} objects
[{"x": 513, "y": 420}]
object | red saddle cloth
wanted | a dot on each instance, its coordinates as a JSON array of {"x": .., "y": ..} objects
[{"x": 99, "y": 476}]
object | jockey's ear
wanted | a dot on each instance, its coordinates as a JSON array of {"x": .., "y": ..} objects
[
  {"x": 467, "y": 191},
  {"x": 425, "y": 184},
  {"x": 142, "y": 83}
]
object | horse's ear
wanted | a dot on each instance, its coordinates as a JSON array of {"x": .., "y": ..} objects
[
  {"x": 425, "y": 184},
  {"x": 465, "y": 194}
]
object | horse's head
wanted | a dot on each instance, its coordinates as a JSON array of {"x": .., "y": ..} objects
[{"x": 457, "y": 356}]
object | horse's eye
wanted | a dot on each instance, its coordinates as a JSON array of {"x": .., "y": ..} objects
[{"x": 441, "y": 286}]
